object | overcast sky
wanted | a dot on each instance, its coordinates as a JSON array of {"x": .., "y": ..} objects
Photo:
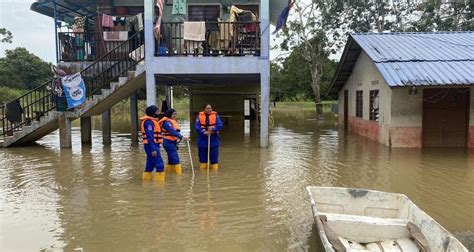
[{"x": 30, "y": 29}]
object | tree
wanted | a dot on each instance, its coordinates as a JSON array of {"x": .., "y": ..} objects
[
  {"x": 291, "y": 80},
  {"x": 310, "y": 32},
  {"x": 452, "y": 16},
  {"x": 23, "y": 70},
  {"x": 7, "y": 36}
]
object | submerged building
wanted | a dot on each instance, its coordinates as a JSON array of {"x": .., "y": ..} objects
[
  {"x": 218, "y": 49},
  {"x": 408, "y": 89}
]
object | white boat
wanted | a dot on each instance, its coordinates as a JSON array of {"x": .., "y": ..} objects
[{"x": 364, "y": 220}]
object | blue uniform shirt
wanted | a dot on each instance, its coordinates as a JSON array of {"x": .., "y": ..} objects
[
  {"x": 202, "y": 139},
  {"x": 169, "y": 127},
  {"x": 150, "y": 135}
]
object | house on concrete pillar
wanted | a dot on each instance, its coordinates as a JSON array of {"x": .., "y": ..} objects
[
  {"x": 219, "y": 49},
  {"x": 228, "y": 66},
  {"x": 408, "y": 89}
]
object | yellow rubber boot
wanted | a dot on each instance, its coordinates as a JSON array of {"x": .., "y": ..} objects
[
  {"x": 178, "y": 169},
  {"x": 215, "y": 167},
  {"x": 147, "y": 176},
  {"x": 160, "y": 176},
  {"x": 168, "y": 168},
  {"x": 203, "y": 165}
]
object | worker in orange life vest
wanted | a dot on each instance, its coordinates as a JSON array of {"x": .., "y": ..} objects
[
  {"x": 151, "y": 135},
  {"x": 171, "y": 134},
  {"x": 208, "y": 123}
]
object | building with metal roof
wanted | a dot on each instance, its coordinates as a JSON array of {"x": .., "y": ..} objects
[{"x": 408, "y": 89}]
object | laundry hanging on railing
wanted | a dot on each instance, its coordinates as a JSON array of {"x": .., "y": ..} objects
[
  {"x": 195, "y": 31},
  {"x": 107, "y": 21},
  {"x": 157, "y": 28},
  {"x": 115, "y": 35},
  {"x": 194, "y": 35},
  {"x": 74, "y": 90}
]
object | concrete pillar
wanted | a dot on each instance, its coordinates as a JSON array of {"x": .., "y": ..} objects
[
  {"x": 264, "y": 107},
  {"x": 86, "y": 130},
  {"x": 264, "y": 71},
  {"x": 149, "y": 52},
  {"x": 65, "y": 140},
  {"x": 106, "y": 128},
  {"x": 134, "y": 118}
]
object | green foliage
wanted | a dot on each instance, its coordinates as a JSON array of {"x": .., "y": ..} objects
[
  {"x": 292, "y": 80},
  {"x": 7, "y": 36},
  {"x": 8, "y": 94},
  {"x": 23, "y": 70},
  {"x": 452, "y": 16}
]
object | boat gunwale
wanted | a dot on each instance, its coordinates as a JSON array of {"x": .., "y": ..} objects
[{"x": 323, "y": 235}]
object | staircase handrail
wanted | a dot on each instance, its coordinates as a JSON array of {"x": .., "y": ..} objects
[{"x": 37, "y": 102}]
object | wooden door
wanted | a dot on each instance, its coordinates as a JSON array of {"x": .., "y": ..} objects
[{"x": 445, "y": 117}]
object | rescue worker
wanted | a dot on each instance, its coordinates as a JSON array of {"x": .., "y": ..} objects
[
  {"x": 208, "y": 123},
  {"x": 151, "y": 135},
  {"x": 171, "y": 134}
]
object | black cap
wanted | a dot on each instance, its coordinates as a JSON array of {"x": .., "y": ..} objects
[{"x": 151, "y": 110}]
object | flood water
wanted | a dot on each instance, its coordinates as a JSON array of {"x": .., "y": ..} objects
[{"x": 92, "y": 197}]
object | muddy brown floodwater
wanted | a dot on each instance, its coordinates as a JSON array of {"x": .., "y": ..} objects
[{"x": 92, "y": 197}]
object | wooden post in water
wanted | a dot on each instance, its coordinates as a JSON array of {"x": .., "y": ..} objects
[
  {"x": 106, "y": 128},
  {"x": 134, "y": 118},
  {"x": 65, "y": 140},
  {"x": 86, "y": 130}
]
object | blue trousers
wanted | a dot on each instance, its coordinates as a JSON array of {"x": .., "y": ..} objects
[
  {"x": 153, "y": 163},
  {"x": 172, "y": 151},
  {"x": 214, "y": 155}
]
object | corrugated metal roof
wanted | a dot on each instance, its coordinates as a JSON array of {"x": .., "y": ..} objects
[
  {"x": 409, "y": 59},
  {"x": 422, "y": 73},
  {"x": 443, "y": 46}
]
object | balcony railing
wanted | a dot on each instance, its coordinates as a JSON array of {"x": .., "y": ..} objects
[
  {"x": 79, "y": 46},
  {"x": 220, "y": 39},
  {"x": 76, "y": 46}
]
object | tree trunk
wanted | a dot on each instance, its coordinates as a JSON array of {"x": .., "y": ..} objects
[{"x": 316, "y": 86}]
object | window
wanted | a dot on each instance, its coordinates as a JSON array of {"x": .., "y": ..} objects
[
  {"x": 359, "y": 99},
  {"x": 204, "y": 12},
  {"x": 374, "y": 105}
]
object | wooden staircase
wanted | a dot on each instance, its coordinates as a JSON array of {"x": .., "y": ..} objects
[{"x": 108, "y": 80}]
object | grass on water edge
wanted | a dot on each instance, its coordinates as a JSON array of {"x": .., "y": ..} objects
[
  {"x": 182, "y": 105},
  {"x": 302, "y": 105}
]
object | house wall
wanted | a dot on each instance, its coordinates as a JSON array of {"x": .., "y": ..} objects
[
  {"x": 362, "y": 78},
  {"x": 407, "y": 118}
]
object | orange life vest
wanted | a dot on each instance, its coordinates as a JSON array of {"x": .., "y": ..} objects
[
  {"x": 166, "y": 133},
  {"x": 156, "y": 131},
  {"x": 212, "y": 120}
]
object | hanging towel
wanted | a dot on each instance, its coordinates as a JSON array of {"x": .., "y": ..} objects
[
  {"x": 159, "y": 4},
  {"x": 140, "y": 21},
  {"x": 179, "y": 7},
  {"x": 107, "y": 21},
  {"x": 115, "y": 35},
  {"x": 195, "y": 31}
]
